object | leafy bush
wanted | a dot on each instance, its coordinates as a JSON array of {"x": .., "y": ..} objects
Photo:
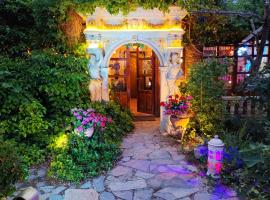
[
  {"x": 255, "y": 130},
  {"x": 206, "y": 88},
  {"x": 250, "y": 177},
  {"x": 32, "y": 154},
  {"x": 81, "y": 157},
  {"x": 37, "y": 94},
  {"x": 12, "y": 167},
  {"x": 245, "y": 161},
  {"x": 121, "y": 124},
  {"x": 93, "y": 147}
]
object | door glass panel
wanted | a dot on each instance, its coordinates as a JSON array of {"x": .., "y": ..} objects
[
  {"x": 117, "y": 75},
  {"x": 145, "y": 74}
]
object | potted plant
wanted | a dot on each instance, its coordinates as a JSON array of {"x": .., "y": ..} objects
[{"x": 178, "y": 107}]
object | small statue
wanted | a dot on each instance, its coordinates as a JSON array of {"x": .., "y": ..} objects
[
  {"x": 95, "y": 85},
  {"x": 174, "y": 72}
]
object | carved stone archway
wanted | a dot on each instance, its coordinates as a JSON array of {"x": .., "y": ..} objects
[{"x": 160, "y": 31}]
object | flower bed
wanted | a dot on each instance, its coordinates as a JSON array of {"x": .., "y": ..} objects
[{"x": 89, "y": 149}]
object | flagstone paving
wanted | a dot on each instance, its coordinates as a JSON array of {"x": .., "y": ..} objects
[{"x": 151, "y": 167}]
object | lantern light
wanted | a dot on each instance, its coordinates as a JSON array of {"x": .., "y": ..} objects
[{"x": 215, "y": 157}]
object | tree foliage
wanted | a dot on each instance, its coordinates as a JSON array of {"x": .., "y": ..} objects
[{"x": 204, "y": 86}]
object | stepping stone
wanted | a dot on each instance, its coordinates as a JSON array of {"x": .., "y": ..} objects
[
  {"x": 98, "y": 183},
  {"x": 120, "y": 170},
  {"x": 56, "y": 197},
  {"x": 86, "y": 185},
  {"x": 142, "y": 165},
  {"x": 40, "y": 184},
  {"x": 44, "y": 196},
  {"x": 205, "y": 196},
  {"x": 177, "y": 192},
  {"x": 162, "y": 162},
  {"x": 143, "y": 194},
  {"x": 47, "y": 189},
  {"x": 178, "y": 169},
  {"x": 41, "y": 173},
  {"x": 58, "y": 190},
  {"x": 179, "y": 157},
  {"x": 163, "y": 169},
  {"x": 176, "y": 182},
  {"x": 166, "y": 196},
  {"x": 125, "y": 159},
  {"x": 81, "y": 194},
  {"x": 126, "y": 195},
  {"x": 144, "y": 175},
  {"x": 32, "y": 177},
  {"x": 129, "y": 185},
  {"x": 160, "y": 154},
  {"x": 158, "y": 180},
  {"x": 106, "y": 196}
]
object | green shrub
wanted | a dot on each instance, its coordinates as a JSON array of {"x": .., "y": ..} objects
[
  {"x": 12, "y": 167},
  {"x": 32, "y": 154},
  {"x": 247, "y": 158},
  {"x": 206, "y": 88},
  {"x": 251, "y": 180},
  {"x": 255, "y": 129},
  {"x": 37, "y": 93},
  {"x": 77, "y": 157},
  {"x": 122, "y": 120}
]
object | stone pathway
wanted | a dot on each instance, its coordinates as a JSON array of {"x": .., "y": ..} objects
[{"x": 151, "y": 168}]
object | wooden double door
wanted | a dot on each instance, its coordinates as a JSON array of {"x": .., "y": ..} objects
[{"x": 141, "y": 80}]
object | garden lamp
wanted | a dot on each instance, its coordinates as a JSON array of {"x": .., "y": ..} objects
[{"x": 215, "y": 156}]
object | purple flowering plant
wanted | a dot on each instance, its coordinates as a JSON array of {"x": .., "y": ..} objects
[{"x": 87, "y": 121}]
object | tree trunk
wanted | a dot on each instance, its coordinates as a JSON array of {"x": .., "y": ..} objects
[{"x": 264, "y": 37}]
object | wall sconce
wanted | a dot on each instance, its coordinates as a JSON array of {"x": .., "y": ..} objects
[{"x": 215, "y": 157}]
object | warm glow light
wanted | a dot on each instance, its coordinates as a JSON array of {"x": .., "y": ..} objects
[
  {"x": 130, "y": 30},
  {"x": 93, "y": 45},
  {"x": 61, "y": 141}
]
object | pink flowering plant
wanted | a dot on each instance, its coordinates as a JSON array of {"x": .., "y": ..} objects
[{"x": 88, "y": 121}]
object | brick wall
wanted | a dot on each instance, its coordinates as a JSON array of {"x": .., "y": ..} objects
[{"x": 191, "y": 56}]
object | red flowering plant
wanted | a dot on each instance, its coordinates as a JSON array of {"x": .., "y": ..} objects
[
  {"x": 177, "y": 105},
  {"x": 87, "y": 121}
]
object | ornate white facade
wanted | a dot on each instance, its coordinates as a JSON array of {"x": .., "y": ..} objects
[{"x": 160, "y": 31}]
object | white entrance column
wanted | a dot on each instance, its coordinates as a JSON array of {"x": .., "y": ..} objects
[
  {"x": 104, "y": 72},
  {"x": 164, "y": 92},
  {"x": 160, "y": 31}
]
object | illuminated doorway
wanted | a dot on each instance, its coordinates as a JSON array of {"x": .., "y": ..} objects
[{"x": 134, "y": 79}]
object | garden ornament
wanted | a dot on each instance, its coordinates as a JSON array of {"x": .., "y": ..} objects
[
  {"x": 215, "y": 156},
  {"x": 94, "y": 65},
  {"x": 174, "y": 72}
]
